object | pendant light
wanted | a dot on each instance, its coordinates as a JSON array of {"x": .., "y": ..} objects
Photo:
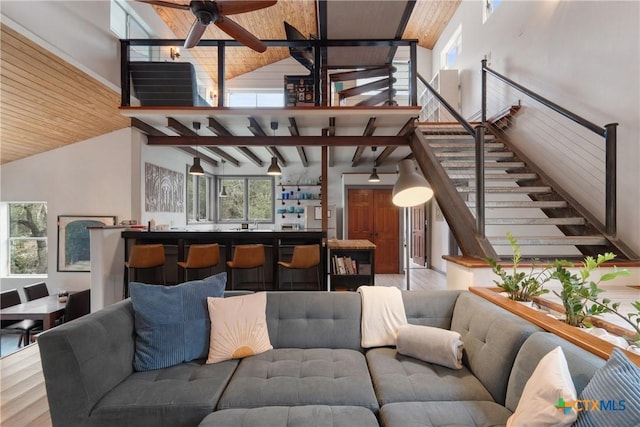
[
  {"x": 223, "y": 191},
  {"x": 374, "y": 175},
  {"x": 274, "y": 169},
  {"x": 411, "y": 188},
  {"x": 196, "y": 168}
]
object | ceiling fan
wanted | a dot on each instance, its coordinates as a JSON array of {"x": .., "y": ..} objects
[{"x": 215, "y": 11}]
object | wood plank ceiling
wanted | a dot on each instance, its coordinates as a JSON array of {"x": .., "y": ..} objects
[
  {"x": 48, "y": 103},
  {"x": 39, "y": 91}
]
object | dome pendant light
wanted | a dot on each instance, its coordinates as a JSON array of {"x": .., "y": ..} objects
[
  {"x": 374, "y": 175},
  {"x": 223, "y": 191},
  {"x": 196, "y": 168},
  {"x": 411, "y": 188},
  {"x": 274, "y": 169}
]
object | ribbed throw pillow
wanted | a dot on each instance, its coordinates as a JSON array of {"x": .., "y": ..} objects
[
  {"x": 172, "y": 322},
  {"x": 616, "y": 389}
]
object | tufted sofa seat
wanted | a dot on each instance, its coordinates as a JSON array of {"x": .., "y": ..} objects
[{"x": 316, "y": 375}]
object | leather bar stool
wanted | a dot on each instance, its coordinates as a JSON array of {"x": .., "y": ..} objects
[
  {"x": 304, "y": 257},
  {"x": 143, "y": 257},
  {"x": 247, "y": 257},
  {"x": 201, "y": 256}
]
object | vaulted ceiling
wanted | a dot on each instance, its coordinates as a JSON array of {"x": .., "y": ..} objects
[{"x": 48, "y": 103}]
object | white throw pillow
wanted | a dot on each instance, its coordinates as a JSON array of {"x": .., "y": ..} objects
[
  {"x": 238, "y": 327},
  {"x": 550, "y": 386},
  {"x": 433, "y": 345}
]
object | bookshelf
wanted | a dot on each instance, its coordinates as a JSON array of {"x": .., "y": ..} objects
[{"x": 351, "y": 264}]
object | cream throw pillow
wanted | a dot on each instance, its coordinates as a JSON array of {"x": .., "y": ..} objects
[
  {"x": 550, "y": 382},
  {"x": 238, "y": 327}
]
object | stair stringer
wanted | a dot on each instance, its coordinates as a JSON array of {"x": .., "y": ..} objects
[{"x": 453, "y": 207}]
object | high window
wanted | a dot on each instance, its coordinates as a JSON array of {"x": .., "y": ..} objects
[
  {"x": 27, "y": 238},
  {"x": 199, "y": 198},
  {"x": 248, "y": 99},
  {"x": 490, "y": 6},
  {"x": 249, "y": 199},
  {"x": 452, "y": 50}
]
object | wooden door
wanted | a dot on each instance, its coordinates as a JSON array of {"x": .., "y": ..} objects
[
  {"x": 374, "y": 217},
  {"x": 418, "y": 239}
]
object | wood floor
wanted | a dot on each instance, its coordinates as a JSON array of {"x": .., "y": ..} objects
[{"x": 23, "y": 401}]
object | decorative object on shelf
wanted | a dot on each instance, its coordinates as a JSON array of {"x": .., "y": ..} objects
[
  {"x": 374, "y": 175},
  {"x": 174, "y": 53},
  {"x": 196, "y": 169},
  {"x": 520, "y": 286},
  {"x": 73, "y": 240},
  {"x": 274, "y": 169},
  {"x": 223, "y": 191},
  {"x": 411, "y": 188}
]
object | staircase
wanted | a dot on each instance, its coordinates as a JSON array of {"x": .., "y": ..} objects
[
  {"x": 517, "y": 198},
  {"x": 383, "y": 86}
]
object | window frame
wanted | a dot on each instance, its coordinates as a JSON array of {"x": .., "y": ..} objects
[
  {"x": 196, "y": 199},
  {"x": 246, "y": 178},
  {"x": 11, "y": 239},
  {"x": 455, "y": 41}
]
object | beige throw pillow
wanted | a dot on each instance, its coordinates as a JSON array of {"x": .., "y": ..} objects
[
  {"x": 545, "y": 394},
  {"x": 433, "y": 345},
  {"x": 238, "y": 327}
]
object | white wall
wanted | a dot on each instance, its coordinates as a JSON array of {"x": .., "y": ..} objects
[
  {"x": 88, "y": 178},
  {"x": 582, "y": 55}
]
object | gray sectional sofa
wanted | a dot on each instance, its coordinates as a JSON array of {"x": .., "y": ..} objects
[{"x": 316, "y": 375}]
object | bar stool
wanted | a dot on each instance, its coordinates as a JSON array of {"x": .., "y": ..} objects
[
  {"x": 247, "y": 257},
  {"x": 304, "y": 257},
  {"x": 201, "y": 256},
  {"x": 143, "y": 257}
]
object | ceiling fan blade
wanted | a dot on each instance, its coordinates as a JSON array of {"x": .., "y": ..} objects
[
  {"x": 165, "y": 4},
  {"x": 240, "y": 34},
  {"x": 232, "y": 7},
  {"x": 195, "y": 33}
]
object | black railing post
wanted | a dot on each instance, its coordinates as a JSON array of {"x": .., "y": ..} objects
[
  {"x": 125, "y": 97},
  {"x": 413, "y": 74},
  {"x": 221, "y": 66},
  {"x": 480, "y": 130},
  {"x": 484, "y": 92},
  {"x": 610, "y": 178}
]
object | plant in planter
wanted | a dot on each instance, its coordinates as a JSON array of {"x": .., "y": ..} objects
[
  {"x": 580, "y": 295},
  {"x": 520, "y": 285}
]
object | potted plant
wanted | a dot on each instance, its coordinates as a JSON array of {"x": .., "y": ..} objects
[
  {"x": 580, "y": 295},
  {"x": 520, "y": 285}
]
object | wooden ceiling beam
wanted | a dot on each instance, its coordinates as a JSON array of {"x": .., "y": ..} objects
[
  {"x": 250, "y": 155},
  {"x": 303, "y": 156},
  {"x": 294, "y": 131},
  {"x": 407, "y": 129},
  {"x": 255, "y": 127},
  {"x": 276, "y": 153},
  {"x": 331, "y": 131},
  {"x": 203, "y": 157},
  {"x": 384, "y": 155},
  {"x": 146, "y": 128},
  {"x": 368, "y": 132},
  {"x": 217, "y": 128},
  {"x": 290, "y": 141},
  {"x": 178, "y": 127},
  {"x": 224, "y": 155}
]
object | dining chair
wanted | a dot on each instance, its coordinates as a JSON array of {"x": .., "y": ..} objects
[
  {"x": 23, "y": 327},
  {"x": 246, "y": 257},
  {"x": 200, "y": 257},
  {"x": 304, "y": 257},
  {"x": 36, "y": 290},
  {"x": 78, "y": 305}
]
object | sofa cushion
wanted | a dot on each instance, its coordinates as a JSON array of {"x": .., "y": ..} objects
[
  {"x": 238, "y": 327},
  {"x": 297, "y": 416},
  {"x": 172, "y": 322},
  {"x": 582, "y": 364},
  {"x": 492, "y": 337},
  {"x": 398, "y": 378},
  {"x": 180, "y": 395},
  {"x": 444, "y": 414},
  {"x": 430, "y": 308},
  {"x": 285, "y": 377},
  {"x": 314, "y": 320}
]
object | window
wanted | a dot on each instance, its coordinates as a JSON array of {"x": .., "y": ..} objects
[
  {"x": 452, "y": 50},
  {"x": 490, "y": 6},
  {"x": 256, "y": 99},
  {"x": 249, "y": 199},
  {"x": 28, "y": 238},
  {"x": 199, "y": 198}
]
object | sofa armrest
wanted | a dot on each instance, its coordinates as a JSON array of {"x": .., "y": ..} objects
[{"x": 84, "y": 359}]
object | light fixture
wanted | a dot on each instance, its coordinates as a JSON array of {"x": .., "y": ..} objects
[
  {"x": 274, "y": 169},
  {"x": 411, "y": 188},
  {"x": 223, "y": 191},
  {"x": 174, "y": 53},
  {"x": 374, "y": 175},
  {"x": 196, "y": 169}
]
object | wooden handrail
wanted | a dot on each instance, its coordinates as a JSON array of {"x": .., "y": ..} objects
[{"x": 572, "y": 334}]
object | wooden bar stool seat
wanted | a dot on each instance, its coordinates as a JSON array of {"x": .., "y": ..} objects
[
  {"x": 304, "y": 257},
  {"x": 144, "y": 257},
  {"x": 247, "y": 257},
  {"x": 201, "y": 256}
]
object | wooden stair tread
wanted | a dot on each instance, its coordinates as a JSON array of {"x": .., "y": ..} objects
[
  {"x": 550, "y": 240},
  {"x": 464, "y": 174},
  {"x": 488, "y": 165},
  {"x": 515, "y": 190},
  {"x": 467, "y": 154},
  {"x": 535, "y": 221},
  {"x": 524, "y": 204}
]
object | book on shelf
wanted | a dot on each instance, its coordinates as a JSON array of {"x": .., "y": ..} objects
[{"x": 344, "y": 265}]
